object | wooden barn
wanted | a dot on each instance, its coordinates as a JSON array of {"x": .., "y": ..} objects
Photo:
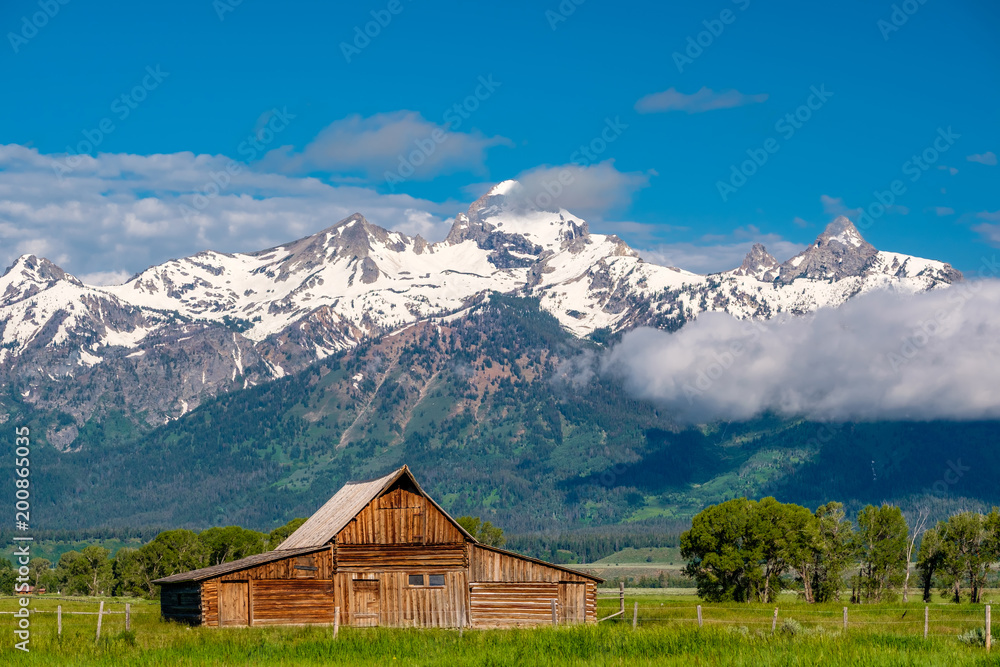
[{"x": 382, "y": 552}]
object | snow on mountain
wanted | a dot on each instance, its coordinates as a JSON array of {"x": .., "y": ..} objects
[{"x": 217, "y": 321}]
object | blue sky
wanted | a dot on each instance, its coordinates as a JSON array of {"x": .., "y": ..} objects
[{"x": 550, "y": 78}]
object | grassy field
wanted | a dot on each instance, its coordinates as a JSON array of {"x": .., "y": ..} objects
[{"x": 667, "y": 635}]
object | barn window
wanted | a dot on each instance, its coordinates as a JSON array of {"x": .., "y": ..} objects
[{"x": 426, "y": 580}]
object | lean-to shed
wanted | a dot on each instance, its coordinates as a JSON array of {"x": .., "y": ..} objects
[{"x": 382, "y": 552}]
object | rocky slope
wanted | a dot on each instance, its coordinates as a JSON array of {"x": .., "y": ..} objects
[{"x": 191, "y": 328}]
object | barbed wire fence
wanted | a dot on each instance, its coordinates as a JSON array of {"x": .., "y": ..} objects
[{"x": 935, "y": 619}]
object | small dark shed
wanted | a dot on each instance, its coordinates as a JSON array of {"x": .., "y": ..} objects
[{"x": 383, "y": 553}]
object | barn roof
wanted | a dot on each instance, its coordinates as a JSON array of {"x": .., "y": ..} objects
[
  {"x": 353, "y": 497},
  {"x": 234, "y": 566}
]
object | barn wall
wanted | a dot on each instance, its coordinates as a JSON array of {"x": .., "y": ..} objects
[
  {"x": 503, "y": 604},
  {"x": 489, "y": 565},
  {"x": 281, "y": 602},
  {"x": 576, "y": 601},
  {"x": 210, "y": 602},
  {"x": 181, "y": 602},
  {"x": 400, "y": 604},
  {"x": 400, "y": 516},
  {"x": 301, "y": 576},
  {"x": 388, "y": 557}
]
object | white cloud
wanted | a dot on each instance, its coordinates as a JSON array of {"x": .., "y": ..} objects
[
  {"x": 120, "y": 213},
  {"x": 836, "y": 206},
  {"x": 943, "y": 210},
  {"x": 590, "y": 191},
  {"x": 705, "y": 99},
  {"x": 950, "y": 170},
  {"x": 988, "y": 158},
  {"x": 105, "y": 277},
  {"x": 990, "y": 230},
  {"x": 880, "y": 356},
  {"x": 387, "y": 142}
]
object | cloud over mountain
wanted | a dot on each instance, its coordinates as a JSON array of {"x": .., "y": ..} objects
[{"x": 934, "y": 355}]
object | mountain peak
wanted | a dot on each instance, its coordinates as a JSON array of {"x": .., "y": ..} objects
[
  {"x": 758, "y": 263},
  {"x": 29, "y": 275},
  {"x": 842, "y": 231},
  {"x": 839, "y": 252}
]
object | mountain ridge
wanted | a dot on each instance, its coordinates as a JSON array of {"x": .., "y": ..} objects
[{"x": 213, "y": 322}]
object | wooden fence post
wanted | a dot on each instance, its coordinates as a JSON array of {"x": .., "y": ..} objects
[
  {"x": 128, "y": 617},
  {"x": 699, "y": 616},
  {"x": 59, "y": 619},
  {"x": 555, "y": 618},
  {"x": 336, "y": 622},
  {"x": 100, "y": 613},
  {"x": 774, "y": 621},
  {"x": 621, "y": 598},
  {"x": 927, "y": 619},
  {"x": 989, "y": 630},
  {"x": 635, "y": 615},
  {"x": 845, "y": 619}
]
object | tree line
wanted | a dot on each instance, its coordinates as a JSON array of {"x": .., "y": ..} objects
[
  {"x": 749, "y": 551},
  {"x": 94, "y": 570},
  {"x": 131, "y": 572}
]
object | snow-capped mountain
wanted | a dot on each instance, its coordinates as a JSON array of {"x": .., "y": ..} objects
[{"x": 192, "y": 327}]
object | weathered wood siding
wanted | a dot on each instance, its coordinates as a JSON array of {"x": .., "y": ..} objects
[
  {"x": 503, "y": 604},
  {"x": 572, "y": 605},
  {"x": 395, "y": 557},
  {"x": 234, "y": 603},
  {"x": 489, "y": 565},
  {"x": 210, "y": 602},
  {"x": 400, "y": 604},
  {"x": 181, "y": 602},
  {"x": 400, "y": 516},
  {"x": 284, "y": 602}
]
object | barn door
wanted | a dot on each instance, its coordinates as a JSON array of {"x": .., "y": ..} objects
[
  {"x": 234, "y": 603},
  {"x": 366, "y": 606},
  {"x": 572, "y": 602}
]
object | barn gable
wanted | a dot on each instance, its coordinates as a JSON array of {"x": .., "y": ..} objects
[{"x": 389, "y": 510}]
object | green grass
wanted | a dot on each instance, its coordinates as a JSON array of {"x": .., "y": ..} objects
[{"x": 663, "y": 638}]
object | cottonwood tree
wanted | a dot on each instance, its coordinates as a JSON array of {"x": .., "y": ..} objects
[
  {"x": 484, "y": 531},
  {"x": 835, "y": 551},
  {"x": 931, "y": 558},
  {"x": 919, "y": 526},
  {"x": 223, "y": 545},
  {"x": 881, "y": 543},
  {"x": 281, "y": 533},
  {"x": 87, "y": 572},
  {"x": 38, "y": 570},
  {"x": 960, "y": 550},
  {"x": 739, "y": 549},
  {"x": 719, "y": 551}
]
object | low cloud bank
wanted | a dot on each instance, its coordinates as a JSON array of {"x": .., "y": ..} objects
[{"x": 882, "y": 356}]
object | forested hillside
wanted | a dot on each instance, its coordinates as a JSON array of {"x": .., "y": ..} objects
[{"x": 501, "y": 414}]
